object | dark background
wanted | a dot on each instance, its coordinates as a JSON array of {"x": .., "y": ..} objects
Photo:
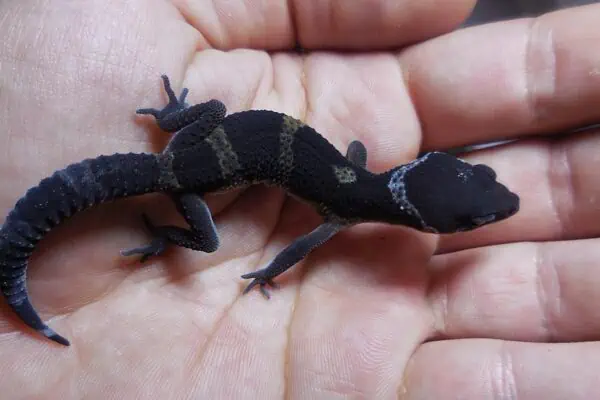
[{"x": 493, "y": 10}]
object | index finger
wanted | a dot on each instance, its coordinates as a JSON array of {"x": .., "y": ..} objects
[{"x": 507, "y": 79}]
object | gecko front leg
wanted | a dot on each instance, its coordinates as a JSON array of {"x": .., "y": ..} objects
[
  {"x": 292, "y": 254},
  {"x": 189, "y": 123},
  {"x": 302, "y": 246},
  {"x": 169, "y": 118}
]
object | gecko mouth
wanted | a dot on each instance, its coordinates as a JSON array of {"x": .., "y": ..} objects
[
  {"x": 486, "y": 219},
  {"x": 489, "y": 218}
]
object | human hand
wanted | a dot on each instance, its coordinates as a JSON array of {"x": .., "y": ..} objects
[{"x": 369, "y": 315}]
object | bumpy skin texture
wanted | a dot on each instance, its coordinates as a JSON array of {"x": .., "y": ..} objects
[{"x": 212, "y": 152}]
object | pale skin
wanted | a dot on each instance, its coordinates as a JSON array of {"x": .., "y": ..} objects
[{"x": 508, "y": 311}]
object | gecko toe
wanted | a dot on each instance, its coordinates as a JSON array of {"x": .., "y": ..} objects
[
  {"x": 265, "y": 292},
  {"x": 173, "y": 106},
  {"x": 183, "y": 95},
  {"x": 148, "y": 111},
  {"x": 259, "y": 279},
  {"x": 154, "y": 248}
]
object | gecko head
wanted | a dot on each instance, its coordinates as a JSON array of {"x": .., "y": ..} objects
[{"x": 445, "y": 194}]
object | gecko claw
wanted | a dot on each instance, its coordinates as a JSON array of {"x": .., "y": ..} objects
[{"x": 259, "y": 278}]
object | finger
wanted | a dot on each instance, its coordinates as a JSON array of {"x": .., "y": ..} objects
[
  {"x": 316, "y": 24},
  {"x": 489, "y": 369},
  {"x": 525, "y": 291},
  {"x": 369, "y": 24},
  {"x": 558, "y": 187},
  {"x": 507, "y": 79},
  {"x": 316, "y": 90}
]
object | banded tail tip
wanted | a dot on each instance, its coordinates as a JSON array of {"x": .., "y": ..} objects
[{"x": 50, "y": 334}]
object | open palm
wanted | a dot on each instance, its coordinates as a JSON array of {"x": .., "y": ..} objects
[{"x": 379, "y": 311}]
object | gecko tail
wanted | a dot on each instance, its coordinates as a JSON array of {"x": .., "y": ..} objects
[
  {"x": 25, "y": 311},
  {"x": 75, "y": 188},
  {"x": 50, "y": 334}
]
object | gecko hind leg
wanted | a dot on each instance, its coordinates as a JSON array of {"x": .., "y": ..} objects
[
  {"x": 202, "y": 236},
  {"x": 291, "y": 255}
]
